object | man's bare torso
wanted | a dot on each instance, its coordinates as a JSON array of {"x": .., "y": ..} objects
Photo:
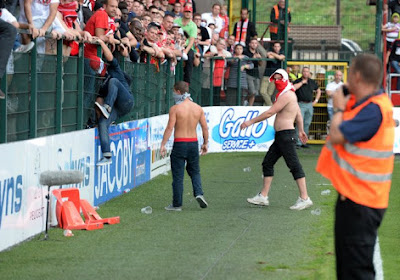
[{"x": 285, "y": 118}]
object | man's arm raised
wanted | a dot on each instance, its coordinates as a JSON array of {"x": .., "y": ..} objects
[
  {"x": 168, "y": 130},
  {"x": 275, "y": 108}
]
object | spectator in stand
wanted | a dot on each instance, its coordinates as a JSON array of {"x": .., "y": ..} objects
[
  {"x": 230, "y": 44},
  {"x": 129, "y": 6},
  {"x": 214, "y": 17},
  {"x": 244, "y": 30},
  {"x": 277, "y": 26},
  {"x": 225, "y": 22},
  {"x": 231, "y": 94},
  {"x": 305, "y": 88},
  {"x": 147, "y": 4},
  {"x": 205, "y": 40},
  {"x": 7, "y": 37},
  {"x": 190, "y": 27},
  {"x": 177, "y": 11},
  {"x": 102, "y": 26},
  {"x": 217, "y": 50},
  {"x": 164, "y": 6},
  {"x": 157, "y": 4},
  {"x": 154, "y": 11},
  {"x": 268, "y": 88},
  {"x": 253, "y": 75},
  {"x": 137, "y": 30},
  {"x": 118, "y": 100},
  {"x": 330, "y": 91},
  {"x": 294, "y": 74},
  {"x": 141, "y": 10},
  {"x": 392, "y": 32},
  {"x": 151, "y": 45},
  {"x": 146, "y": 19},
  {"x": 124, "y": 24},
  {"x": 394, "y": 60},
  {"x": 40, "y": 16}
]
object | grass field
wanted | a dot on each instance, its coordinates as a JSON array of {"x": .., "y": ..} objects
[{"x": 229, "y": 240}]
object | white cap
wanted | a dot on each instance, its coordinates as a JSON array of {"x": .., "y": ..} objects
[
  {"x": 321, "y": 71},
  {"x": 281, "y": 72}
]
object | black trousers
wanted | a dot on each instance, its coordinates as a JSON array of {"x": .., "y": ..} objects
[
  {"x": 188, "y": 69},
  {"x": 7, "y": 38},
  {"x": 356, "y": 229},
  {"x": 284, "y": 145}
]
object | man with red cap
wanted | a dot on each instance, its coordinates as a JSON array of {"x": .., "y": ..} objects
[{"x": 287, "y": 112}]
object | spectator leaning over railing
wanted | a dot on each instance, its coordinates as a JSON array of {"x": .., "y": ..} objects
[
  {"x": 138, "y": 31},
  {"x": 41, "y": 18},
  {"x": 102, "y": 26},
  {"x": 205, "y": 40},
  {"x": 253, "y": 75},
  {"x": 214, "y": 17},
  {"x": 231, "y": 94},
  {"x": 268, "y": 88},
  {"x": 277, "y": 26},
  {"x": 218, "y": 50},
  {"x": 7, "y": 37},
  {"x": 190, "y": 27},
  {"x": 115, "y": 101},
  {"x": 151, "y": 45},
  {"x": 244, "y": 30}
]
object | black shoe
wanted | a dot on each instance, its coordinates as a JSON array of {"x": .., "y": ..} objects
[{"x": 305, "y": 146}]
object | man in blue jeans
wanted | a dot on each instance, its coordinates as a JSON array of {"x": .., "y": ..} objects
[
  {"x": 118, "y": 99},
  {"x": 184, "y": 117}
]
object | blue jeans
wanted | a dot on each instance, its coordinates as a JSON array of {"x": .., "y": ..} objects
[
  {"x": 185, "y": 152},
  {"x": 307, "y": 111},
  {"x": 121, "y": 101}
]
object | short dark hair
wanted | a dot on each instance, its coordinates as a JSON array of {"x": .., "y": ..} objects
[
  {"x": 181, "y": 86},
  {"x": 370, "y": 68},
  {"x": 122, "y": 5}
]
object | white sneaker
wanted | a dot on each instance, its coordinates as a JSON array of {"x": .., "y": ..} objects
[
  {"x": 104, "y": 161},
  {"x": 103, "y": 110},
  {"x": 203, "y": 203},
  {"x": 172, "y": 208},
  {"x": 25, "y": 48},
  {"x": 259, "y": 199},
  {"x": 302, "y": 204}
]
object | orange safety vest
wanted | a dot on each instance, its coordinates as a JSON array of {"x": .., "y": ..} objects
[
  {"x": 362, "y": 171},
  {"x": 273, "y": 27}
]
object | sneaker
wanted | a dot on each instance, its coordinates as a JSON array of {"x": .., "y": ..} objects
[
  {"x": 104, "y": 161},
  {"x": 172, "y": 208},
  {"x": 302, "y": 204},
  {"x": 203, "y": 203},
  {"x": 25, "y": 48},
  {"x": 103, "y": 110},
  {"x": 259, "y": 199}
]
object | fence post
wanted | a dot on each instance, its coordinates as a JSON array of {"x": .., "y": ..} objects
[
  {"x": 211, "y": 96},
  {"x": 147, "y": 87},
  {"x": 239, "y": 84},
  {"x": 81, "y": 77},
  {"x": 3, "y": 111},
  {"x": 159, "y": 89},
  {"x": 168, "y": 86},
  {"x": 33, "y": 101},
  {"x": 59, "y": 86}
]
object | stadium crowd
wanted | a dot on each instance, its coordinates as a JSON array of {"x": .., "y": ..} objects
[{"x": 158, "y": 30}]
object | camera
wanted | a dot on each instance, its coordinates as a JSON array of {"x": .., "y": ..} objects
[{"x": 345, "y": 90}]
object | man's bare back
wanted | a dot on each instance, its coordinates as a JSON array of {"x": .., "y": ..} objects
[{"x": 184, "y": 118}]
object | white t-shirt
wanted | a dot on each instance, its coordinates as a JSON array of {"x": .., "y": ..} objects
[
  {"x": 7, "y": 16},
  {"x": 218, "y": 21},
  {"x": 40, "y": 9},
  {"x": 332, "y": 86}
]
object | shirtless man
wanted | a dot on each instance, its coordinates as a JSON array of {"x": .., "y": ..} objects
[
  {"x": 184, "y": 117},
  {"x": 287, "y": 111}
]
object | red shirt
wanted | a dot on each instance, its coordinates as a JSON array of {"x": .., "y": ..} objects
[{"x": 99, "y": 19}]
